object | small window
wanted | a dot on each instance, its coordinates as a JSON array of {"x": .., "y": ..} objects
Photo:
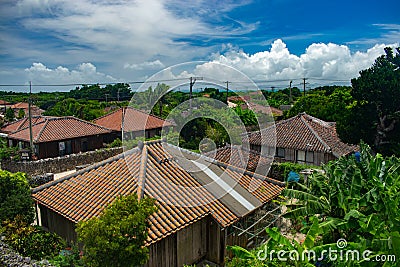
[
  {"x": 280, "y": 152},
  {"x": 301, "y": 156},
  {"x": 61, "y": 148},
  {"x": 310, "y": 157}
]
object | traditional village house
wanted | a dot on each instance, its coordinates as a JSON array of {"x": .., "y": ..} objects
[
  {"x": 3, "y": 106},
  {"x": 56, "y": 136},
  {"x": 239, "y": 156},
  {"x": 204, "y": 205},
  {"x": 35, "y": 111},
  {"x": 301, "y": 139},
  {"x": 134, "y": 123}
]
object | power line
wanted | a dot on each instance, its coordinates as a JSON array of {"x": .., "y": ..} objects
[{"x": 257, "y": 82}]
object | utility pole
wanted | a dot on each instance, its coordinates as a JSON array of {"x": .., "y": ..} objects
[
  {"x": 30, "y": 118},
  {"x": 227, "y": 89},
  {"x": 118, "y": 95},
  {"x": 192, "y": 82},
  {"x": 304, "y": 86},
  {"x": 290, "y": 93},
  {"x": 106, "y": 97}
]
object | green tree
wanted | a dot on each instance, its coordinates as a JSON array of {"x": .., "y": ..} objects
[
  {"x": 21, "y": 113},
  {"x": 10, "y": 116},
  {"x": 327, "y": 103},
  {"x": 117, "y": 237},
  {"x": 31, "y": 240},
  {"x": 15, "y": 197},
  {"x": 375, "y": 115}
]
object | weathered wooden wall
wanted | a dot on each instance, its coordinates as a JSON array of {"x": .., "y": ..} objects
[
  {"x": 187, "y": 246},
  {"x": 57, "y": 223}
]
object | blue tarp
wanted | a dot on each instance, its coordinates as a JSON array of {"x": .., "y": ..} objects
[{"x": 293, "y": 177}]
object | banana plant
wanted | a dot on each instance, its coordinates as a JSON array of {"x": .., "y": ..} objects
[{"x": 356, "y": 200}]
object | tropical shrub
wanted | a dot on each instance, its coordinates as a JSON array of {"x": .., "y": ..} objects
[
  {"x": 117, "y": 236},
  {"x": 69, "y": 257},
  {"x": 29, "y": 240},
  {"x": 15, "y": 197},
  {"x": 353, "y": 200}
]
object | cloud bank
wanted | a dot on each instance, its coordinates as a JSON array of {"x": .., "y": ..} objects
[{"x": 321, "y": 64}]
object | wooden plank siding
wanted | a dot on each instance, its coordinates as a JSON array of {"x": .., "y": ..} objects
[
  {"x": 57, "y": 224},
  {"x": 187, "y": 246}
]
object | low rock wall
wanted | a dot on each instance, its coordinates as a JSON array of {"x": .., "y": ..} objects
[{"x": 60, "y": 164}]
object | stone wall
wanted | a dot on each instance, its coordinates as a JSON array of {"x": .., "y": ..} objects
[
  {"x": 60, "y": 164},
  {"x": 8, "y": 257}
]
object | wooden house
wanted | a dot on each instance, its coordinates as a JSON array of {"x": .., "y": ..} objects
[
  {"x": 134, "y": 123},
  {"x": 203, "y": 205},
  {"x": 56, "y": 136},
  {"x": 243, "y": 158},
  {"x": 301, "y": 139}
]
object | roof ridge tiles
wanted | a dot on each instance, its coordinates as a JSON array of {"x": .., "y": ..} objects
[
  {"x": 88, "y": 168},
  {"x": 142, "y": 172},
  {"x": 41, "y": 130},
  {"x": 316, "y": 134}
]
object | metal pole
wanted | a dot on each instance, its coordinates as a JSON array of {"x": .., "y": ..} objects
[
  {"x": 227, "y": 89},
  {"x": 30, "y": 118}
]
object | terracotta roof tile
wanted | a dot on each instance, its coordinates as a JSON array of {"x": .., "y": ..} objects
[
  {"x": 22, "y": 123},
  {"x": 131, "y": 119},
  {"x": 85, "y": 194},
  {"x": 242, "y": 158},
  {"x": 50, "y": 129},
  {"x": 302, "y": 132},
  {"x": 25, "y": 106}
]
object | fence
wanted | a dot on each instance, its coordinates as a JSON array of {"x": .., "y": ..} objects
[{"x": 59, "y": 164}]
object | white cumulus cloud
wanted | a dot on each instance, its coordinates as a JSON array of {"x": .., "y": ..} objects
[
  {"x": 328, "y": 63},
  {"x": 147, "y": 65},
  {"x": 84, "y": 73}
]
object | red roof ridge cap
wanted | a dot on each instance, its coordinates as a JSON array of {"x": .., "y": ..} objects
[
  {"x": 142, "y": 170},
  {"x": 315, "y": 134},
  {"x": 41, "y": 131}
]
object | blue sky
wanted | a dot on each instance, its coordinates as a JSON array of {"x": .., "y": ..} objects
[{"x": 64, "y": 42}]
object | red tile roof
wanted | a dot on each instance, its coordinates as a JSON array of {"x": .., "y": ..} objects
[
  {"x": 25, "y": 106},
  {"x": 262, "y": 109},
  {"x": 152, "y": 170},
  {"x": 242, "y": 158},
  {"x": 3, "y": 102},
  {"x": 58, "y": 128},
  {"x": 303, "y": 132},
  {"x": 20, "y": 124},
  {"x": 131, "y": 120}
]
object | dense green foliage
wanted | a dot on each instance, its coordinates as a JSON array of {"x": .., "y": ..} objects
[
  {"x": 110, "y": 92},
  {"x": 10, "y": 116},
  {"x": 327, "y": 103},
  {"x": 281, "y": 97},
  {"x": 357, "y": 201},
  {"x": 15, "y": 197},
  {"x": 69, "y": 257},
  {"x": 117, "y": 237},
  {"x": 83, "y": 109},
  {"x": 375, "y": 115},
  {"x": 31, "y": 241},
  {"x": 7, "y": 152}
]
